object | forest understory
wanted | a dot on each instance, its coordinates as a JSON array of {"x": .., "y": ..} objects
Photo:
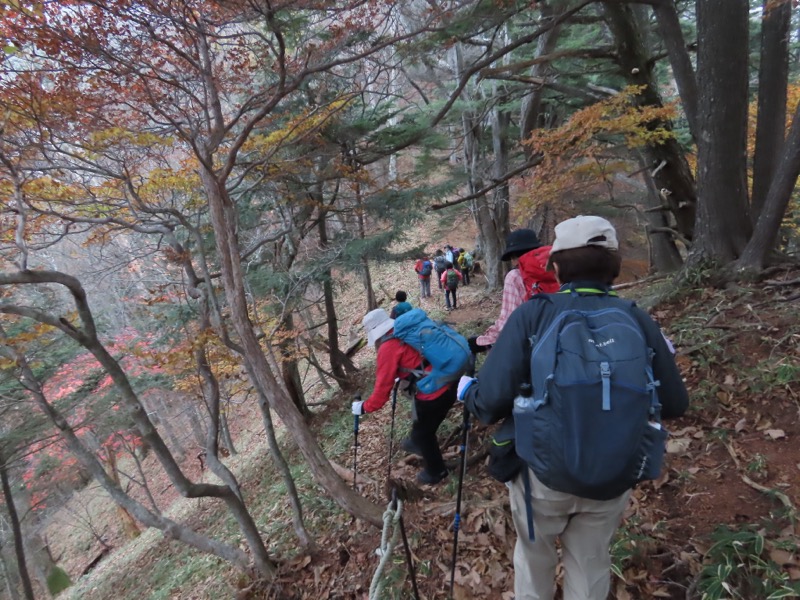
[{"x": 723, "y": 510}]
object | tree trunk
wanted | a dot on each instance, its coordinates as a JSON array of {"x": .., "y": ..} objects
[
  {"x": 290, "y": 374},
  {"x": 723, "y": 222},
  {"x": 669, "y": 26},
  {"x": 501, "y": 201},
  {"x": 674, "y": 177},
  {"x": 39, "y": 560},
  {"x": 223, "y": 219},
  {"x": 225, "y": 438},
  {"x": 773, "y": 74},
  {"x": 490, "y": 213},
  {"x": 130, "y": 530},
  {"x": 664, "y": 254},
  {"x": 298, "y": 522},
  {"x": 195, "y": 421},
  {"x": 340, "y": 363},
  {"x": 762, "y": 243},
  {"x": 16, "y": 529},
  {"x": 235, "y": 500},
  {"x": 372, "y": 301},
  {"x": 10, "y": 574},
  {"x": 532, "y": 101}
]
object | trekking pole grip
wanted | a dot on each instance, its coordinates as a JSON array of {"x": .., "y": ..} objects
[{"x": 356, "y": 398}]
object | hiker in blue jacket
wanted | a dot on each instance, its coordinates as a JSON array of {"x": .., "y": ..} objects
[{"x": 586, "y": 261}]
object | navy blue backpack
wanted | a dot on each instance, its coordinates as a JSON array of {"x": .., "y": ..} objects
[{"x": 592, "y": 427}]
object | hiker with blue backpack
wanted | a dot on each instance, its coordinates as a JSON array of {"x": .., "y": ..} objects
[
  {"x": 423, "y": 268},
  {"x": 401, "y": 345},
  {"x": 586, "y": 378}
]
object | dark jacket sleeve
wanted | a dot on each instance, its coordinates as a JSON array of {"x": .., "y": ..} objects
[
  {"x": 507, "y": 366},
  {"x": 671, "y": 390}
]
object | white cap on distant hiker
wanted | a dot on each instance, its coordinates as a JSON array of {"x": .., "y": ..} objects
[
  {"x": 377, "y": 323},
  {"x": 582, "y": 231}
]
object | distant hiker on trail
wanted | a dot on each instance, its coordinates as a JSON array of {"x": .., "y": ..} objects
[
  {"x": 450, "y": 280},
  {"x": 423, "y": 268},
  {"x": 518, "y": 243},
  {"x": 440, "y": 264},
  {"x": 402, "y": 305},
  {"x": 448, "y": 253},
  {"x": 465, "y": 264},
  {"x": 456, "y": 257},
  {"x": 398, "y": 359},
  {"x": 587, "y": 418}
]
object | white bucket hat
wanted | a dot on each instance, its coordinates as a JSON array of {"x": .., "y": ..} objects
[
  {"x": 377, "y": 323},
  {"x": 582, "y": 231}
]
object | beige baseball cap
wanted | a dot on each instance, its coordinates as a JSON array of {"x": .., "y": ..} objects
[{"x": 584, "y": 231}]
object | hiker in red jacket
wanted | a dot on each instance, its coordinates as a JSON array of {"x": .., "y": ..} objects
[
  {"x": 423, "y": 269},
  {"x": 396, "y": 360},
  {"x": 518, "y": 243}
]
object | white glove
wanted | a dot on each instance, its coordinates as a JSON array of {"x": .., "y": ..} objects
[
  {"x": 463, "y": 386},
  {"x": 358, "y": 407}
]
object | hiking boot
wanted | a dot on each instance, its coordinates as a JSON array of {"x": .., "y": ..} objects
[
  {"x": 427, "y": 478},
  {"x": 410, "y": 446}
]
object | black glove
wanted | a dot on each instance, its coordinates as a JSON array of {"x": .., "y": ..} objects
[{"x": 476, "y": 348}]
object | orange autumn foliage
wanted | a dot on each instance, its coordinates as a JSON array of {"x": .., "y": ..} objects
[{"x": 592, "y": 145}]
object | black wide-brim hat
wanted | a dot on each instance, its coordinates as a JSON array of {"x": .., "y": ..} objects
[{"x": 519, "y": 242}]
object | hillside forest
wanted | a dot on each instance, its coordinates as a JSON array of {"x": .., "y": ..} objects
[{"x": 202, "y": 199}]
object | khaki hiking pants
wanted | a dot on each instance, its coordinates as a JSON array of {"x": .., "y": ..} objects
[{"x": 585, "y": 528}]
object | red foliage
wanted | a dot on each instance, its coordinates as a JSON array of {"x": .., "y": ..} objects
[{"x": 49, "y": 462}]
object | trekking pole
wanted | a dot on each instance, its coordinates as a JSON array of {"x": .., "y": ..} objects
[
  {"x": 393, "y": 494},
  {"x": 461, "y": 474},
  {"x": 391, "y": 431},
  {"x": 409, "y": 559},
  {"x": 357, "y": 398}
]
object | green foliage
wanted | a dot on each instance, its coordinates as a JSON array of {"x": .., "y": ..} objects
[
  {"x": 629, "y": 547},
  {"x": 757, "y": 466},
  {"x": 180, "y": 573},
  {"x": 738, "y": 565},
  {"x": 781, "y": 373},
  {"x": 46, "y": 349},
  {"x": 58, "y": 581},
  {"x": 47, "y": 464}
]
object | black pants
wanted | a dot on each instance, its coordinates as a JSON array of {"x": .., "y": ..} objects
[
  {"x": 429, "y": 414},
  {"x": 439, "y": 278},
  {"x": 447, "y": 293}
]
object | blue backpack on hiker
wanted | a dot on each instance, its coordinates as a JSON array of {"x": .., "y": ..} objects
[
  {"x": 427, "y": 267},
  {"x": 441, "y": 346},
  {"x": 592, "y": 426}
]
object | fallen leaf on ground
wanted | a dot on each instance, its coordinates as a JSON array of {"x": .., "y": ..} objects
[
  {"x": 678, "y": 445},
  {"x": 775, "y": 434}
]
